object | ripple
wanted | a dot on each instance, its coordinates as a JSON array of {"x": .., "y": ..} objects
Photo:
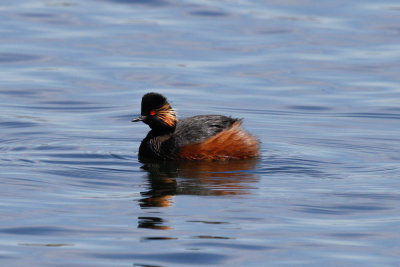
[
  {"x": 140, "y": 2},
  {"x": 47, "y": 147},
  {"x": 208, "y": 13},
  {"x": 374, "y": 196},
  {"x": 158, "y": 238},
  {"x": 209, "y": 222},
  {"x": 44, "y": 245},
  {"x": 66, "y": 103},
  {"x": 352, "y": 235},
  {"x": 211, "y": 237},
  {"x": 370, "y": 115},
  {"x": 87, "y": 176},
  {"x": 79, "y": 156},
  {"x": 15, "y": 58},
  {"x": 35, "y": 230},
  {"x": 54, "y": 18},
  {"x": 17, "y": 124},
  {"x": 38, "y": 15},
  {"x": 339, "y": 209},
  {"x": 296, "y": 166},
  {"x": 70, "y": 108},
  {"x": 173, "y": 257},
  {"x": 19, "y": 92},
  {"x": 310, "y": 108},
  {"x": 230, "y": 246}
]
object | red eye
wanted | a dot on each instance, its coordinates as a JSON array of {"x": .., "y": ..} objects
[{"x": 152, "y": 113}]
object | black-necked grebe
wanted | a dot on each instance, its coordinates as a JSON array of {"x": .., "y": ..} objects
[{"x": 202, "y": 137}]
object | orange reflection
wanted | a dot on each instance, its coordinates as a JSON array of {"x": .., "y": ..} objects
[
  {"x": 167, "y": 179},
  {"x": 153, "y": 223}
]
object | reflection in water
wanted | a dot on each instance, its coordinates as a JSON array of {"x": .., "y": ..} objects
[
  {"x": 152, "y": 223},
  {"x": 167, "y": 179}
]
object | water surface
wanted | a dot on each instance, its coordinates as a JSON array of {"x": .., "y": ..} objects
[{"x": 317, "y": 82}]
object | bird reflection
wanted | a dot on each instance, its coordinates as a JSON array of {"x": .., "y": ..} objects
[
  {"x": 167, "y": 179},
  {"x": 153, "y": 223}
]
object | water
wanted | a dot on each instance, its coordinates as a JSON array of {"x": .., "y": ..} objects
[{"x": 317, "y": 82}]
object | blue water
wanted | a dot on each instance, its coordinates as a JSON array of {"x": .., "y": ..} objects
[{"x": 317, "y": 81}]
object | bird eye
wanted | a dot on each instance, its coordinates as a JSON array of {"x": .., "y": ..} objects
[{"x": 152, "y": 113}]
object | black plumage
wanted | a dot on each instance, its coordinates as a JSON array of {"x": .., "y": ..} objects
[
  {"x": 191, "y": 130},
  {"x": 169, "y": 137}
]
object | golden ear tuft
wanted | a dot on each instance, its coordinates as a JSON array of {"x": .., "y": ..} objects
[{"x": 167, "y": 114}]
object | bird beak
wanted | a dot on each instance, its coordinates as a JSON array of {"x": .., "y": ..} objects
[{"x": 140, "y": 118}]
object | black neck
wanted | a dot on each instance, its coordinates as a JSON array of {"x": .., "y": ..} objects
[{"x": 162, "y": 130}]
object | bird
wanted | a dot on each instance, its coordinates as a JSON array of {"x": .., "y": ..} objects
[{"x": 201, "y": 137}]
